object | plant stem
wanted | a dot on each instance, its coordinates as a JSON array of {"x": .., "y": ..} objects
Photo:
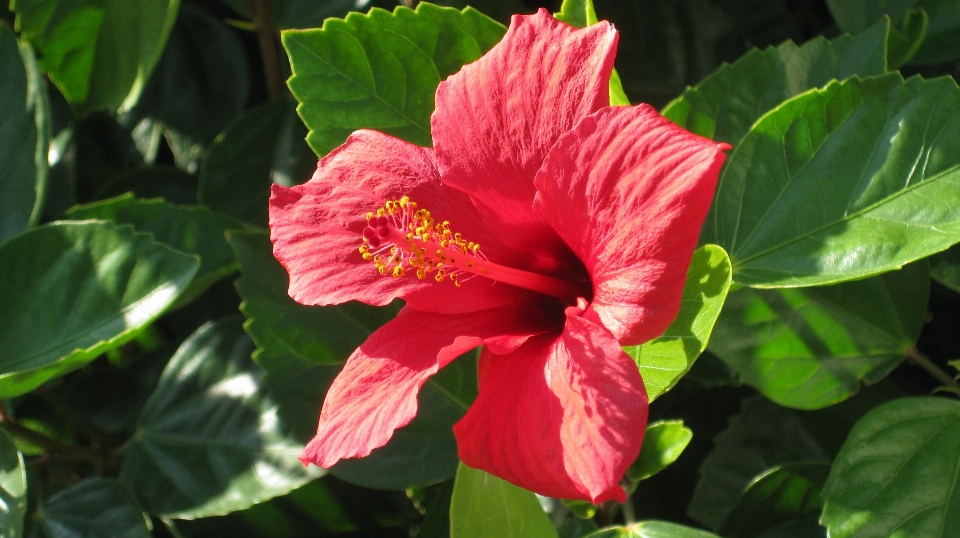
[
  {"x": 629, "y": 516},
  {"x": 56, "y": 448},
  {"x": 261, "y": 11},
  {"x": 922, "y": 361}
]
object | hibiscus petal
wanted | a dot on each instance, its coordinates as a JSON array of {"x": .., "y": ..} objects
[
  {"x": 376, "y": 392},
  {"x": 628, "y": 191},
  {"x": 563, "y": 416},
  {"x": 316, "y": 228},
  {"x": 498, "y": 117}
]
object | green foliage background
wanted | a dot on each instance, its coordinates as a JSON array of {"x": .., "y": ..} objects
[{"x": 156, "y": 380}]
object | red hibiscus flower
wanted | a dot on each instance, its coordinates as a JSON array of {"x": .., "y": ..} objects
[{"x": 545, "y": 225}]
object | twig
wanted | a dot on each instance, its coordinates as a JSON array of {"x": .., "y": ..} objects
[
  {"x": 261, "y": 11},
  {"x": 58, "y": 449},
  {"x": 922, "y": 361}
]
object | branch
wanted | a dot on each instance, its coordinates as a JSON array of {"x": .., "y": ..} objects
[
  {"x": 922, "y": 361},
  {"x": 58, "y": 449},
  {"x": 261, "y": 11}
]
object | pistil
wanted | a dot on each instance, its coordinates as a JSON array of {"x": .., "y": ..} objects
[{"x": 400, "y": 239}]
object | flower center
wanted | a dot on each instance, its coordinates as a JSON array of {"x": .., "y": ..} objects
[{"x": 401, "y": 239}]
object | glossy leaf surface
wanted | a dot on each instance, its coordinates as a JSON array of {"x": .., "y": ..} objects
[
  {"x": 13, "y": 488},
  {"x": 264, "y": 145},
  {"x": 897, "y": 473},
  {"x": 788, "y": 497},
  {"x": 484, "y": 505},
  {"x": 93, "y": 507},
  {"x": 664, "y": 360},
  {"x": 192, "y": 229},
  {"x": 812, "y": 347},
  {"x": 209, "y": 439},
  {"x": 99, "y": 53},
  {"x": 23, "y": 136},
  {"x": 71, "y": 291},
  {"x": 381, "y": 70},
  {"x": 652, "y": 529},
  {"x": 728, "y": 102},
  {"x": 662, "y": 445},
  {"x": 842, "y": 183}
]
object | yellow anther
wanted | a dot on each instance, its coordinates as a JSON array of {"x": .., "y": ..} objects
[
  {"x": 398, "y": 271},
  {"x": 366, "y": 256},
  {"x": 455, "y": 280},
  {"x": 370, "y": 215},
  {"x": 440, "y": 274}
]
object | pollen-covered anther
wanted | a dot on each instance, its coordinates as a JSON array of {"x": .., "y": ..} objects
[{"x": 396, "y": 238}]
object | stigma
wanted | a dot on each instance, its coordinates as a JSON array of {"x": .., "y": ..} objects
[{"x": 402, "y": 239}]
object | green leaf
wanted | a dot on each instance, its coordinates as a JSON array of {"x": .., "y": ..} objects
[
  {"x": 580, "y": 14},
  {"x": 262, "y": 146},
  {"x": 71, "y": 291},
  {"x": 191, "y": 229},
  {"x": 94, "y": 507},
  {"x": 98, "y": 52},
  {"x": 942, "y": 43},
  {"x": 903, "y": 45},
  {"x": 424, "y": 451},
  {"x": 209, "y": 439},
  {"x": 761, "y": 437},
  {"x": 24, "y": 135},
  {"x": 785, "y": 497},
  {"x": 202, "y": 81},
  {"x": 666, "y": 359},
  {"x": 484, "y": 505},
  {"x": 381, "y": 70},
  {"x": 843, "y": 183},
  {"x": 728, "y": 102},
  {"x": 811, "y": 347},
  {"x": 652, "y": 529},
  {"x": 897, "y": 473},
  {"x": 945, "y": 268},
  {"x": 662, "y": 445},
  {"x": 279, "y": 325},
  {"x": 13, "y": 488}
]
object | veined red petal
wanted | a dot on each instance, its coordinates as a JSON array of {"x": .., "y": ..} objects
[
  {"x": 498, "y": 117},
  {"x": 628, "y": 191},
  {"x": 376, "y": 392},
  {"x": 563, "y": 415},
  {"x": 316, "y": 228}
]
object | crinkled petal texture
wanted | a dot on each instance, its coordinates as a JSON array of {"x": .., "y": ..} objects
[
  {"x": 497, "y": 118},
  {"x": 563, "y": 415},
  {"x": 376, "y": 392},
  {"x": 316, "y": 228},
  {"x": 628, "y": 191}
]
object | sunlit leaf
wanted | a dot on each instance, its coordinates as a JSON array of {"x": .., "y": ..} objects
[
  {"x": 13, "y": 488},
  {"x": 98, "y": 52},
  {"x": 71, "y": 291},
  {"x": 484, "y": 505},
  {"x": 664, "y": 360},
  {"x": 191, "y": 229},
  {"x": 897, "y": 473},
  {"x": 812, "y": 347},
  {"x": 381, "y": 70},
  {"x": 663, "y": 443},
  {"x": 842, "y": 183},
  {"x": 210, "y": 440},
  {"x": 652, "y": 529}
]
